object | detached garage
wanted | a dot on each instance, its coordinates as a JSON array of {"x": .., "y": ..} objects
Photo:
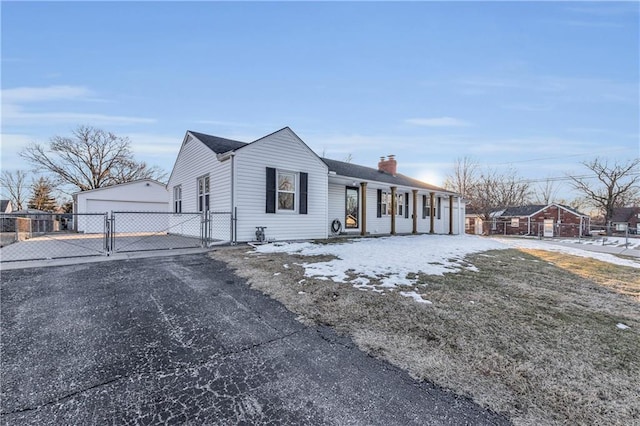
[{"x": 145, "y": 195}]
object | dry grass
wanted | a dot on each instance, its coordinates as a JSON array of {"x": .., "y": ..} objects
[{"x": 532, "y": 335}]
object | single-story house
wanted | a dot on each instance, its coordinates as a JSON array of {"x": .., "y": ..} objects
[
  {"x": 6, "y": 206},
  {"x": 552, "y": 220},
  {"x": 144, "y": 195},
  {"x": 625, "y": 218},
  {"x": 279, "y": 183}
]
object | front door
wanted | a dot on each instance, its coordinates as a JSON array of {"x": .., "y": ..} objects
[
  {"x": 352, "y": 219},
  {"x": 548, "y": 227}
]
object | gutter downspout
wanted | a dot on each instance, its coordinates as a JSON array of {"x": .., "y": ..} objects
[{"x": 234, "y": 209}]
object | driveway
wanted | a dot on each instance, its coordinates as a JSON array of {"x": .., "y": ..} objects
[{"x": 183, "y": 340}]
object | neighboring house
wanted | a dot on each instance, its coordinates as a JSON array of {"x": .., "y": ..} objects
[
  {"x": 475, "y": 223},
  {"x": 626, "y": 218},
  {"x": 6, "y": 206},
  {"x": 279, "y": 183},
  {"x": 144, "y": 195},
  {"x": 552, "y": 220}
]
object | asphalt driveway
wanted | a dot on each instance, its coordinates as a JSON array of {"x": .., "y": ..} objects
[{"x": 183, "y": 340}]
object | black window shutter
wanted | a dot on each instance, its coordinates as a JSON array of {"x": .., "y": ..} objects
[
  {"x": 379, "y": 202},
  {"x": 424, "y": 206},
  {"x": 271, "y": 190},
  {"x": 304, "y": 178},
  {"x": 406, "y": 205}
]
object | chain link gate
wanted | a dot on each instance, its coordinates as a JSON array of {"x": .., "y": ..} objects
[{"x": 41, "y": 236}]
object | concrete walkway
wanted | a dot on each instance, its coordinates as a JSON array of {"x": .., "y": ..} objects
[
  {"x": 597, "y": 248},
  {"x": 181, "y": 339}
]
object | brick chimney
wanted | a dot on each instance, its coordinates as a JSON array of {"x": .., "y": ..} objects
[{"x": 389, "y": 165}]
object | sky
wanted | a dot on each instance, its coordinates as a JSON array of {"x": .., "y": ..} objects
[{"x": 535, "y": 86}]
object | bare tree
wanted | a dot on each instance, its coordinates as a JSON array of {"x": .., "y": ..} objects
[
  {"x": 15, "y": 186},
  {"x": 348, "y": 158},
  {"x": 487, "y": 190},
  {"x": 546, "y": 192},
  {"x": 493, "y": 191},
  {"x": 463, "y": 177},
  {"x": 616, "y": 184},
  {"x": 91, "y": 158}
]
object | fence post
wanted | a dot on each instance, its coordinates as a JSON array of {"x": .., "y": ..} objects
[
  {"x": 234, "y": 226},
  {"x": 626, "y": 236},
  {"x": 112, "y": 231},
  {"x": 107, "y": 233}
]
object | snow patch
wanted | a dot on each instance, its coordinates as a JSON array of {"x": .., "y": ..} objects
[
  {"x": 622, "y": 326},
  {"x": 415, "y": 296}
]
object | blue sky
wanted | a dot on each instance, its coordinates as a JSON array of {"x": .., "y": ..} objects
[{"x": 537, "y": 86}]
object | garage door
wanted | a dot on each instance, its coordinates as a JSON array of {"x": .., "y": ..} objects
[{"x": 134, "y": 223}]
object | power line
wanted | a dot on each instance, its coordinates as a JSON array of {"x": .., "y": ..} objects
[{"x": 531, "y": 160}]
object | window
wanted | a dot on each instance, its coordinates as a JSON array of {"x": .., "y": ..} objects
[
  {"x": 426, "y": 207},
  {"x": 439, "y": 207},
  {"x": 177, "y": 199},
  {"x": 385, "y": 207},
  {"x": 286, "y": 191},
  {"x": 515, "y": 222},
  {"x": 203, "y": 193},
  {"x": 399, "y": 204},
  {"x": 351, "y": 207}
]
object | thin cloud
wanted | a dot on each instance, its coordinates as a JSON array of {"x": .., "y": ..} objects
[
  {"x": 17, "y": 116},
  {"x": 15, "y": 99},
  {"x": 437, "y": 122},
  {"x": 592, "y": 24},
  {"x": 20, "y": 95}
]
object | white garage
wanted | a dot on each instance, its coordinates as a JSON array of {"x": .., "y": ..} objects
[{"x": 145, "y": 195}]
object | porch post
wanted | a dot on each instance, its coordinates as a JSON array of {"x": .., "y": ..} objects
[
  {"x": 432, "y": 196},
  {"x": 393, "y": 210},
  {"x": 450, "y": 214},
  {"x": 415, "y": 211},
  {"x": 363, "y": 222}
]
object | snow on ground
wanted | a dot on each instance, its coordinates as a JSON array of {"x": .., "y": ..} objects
[
  {"x": 575, "y": 251},
  {"x": 388, "y": 261},
  {"x": 621, "y": 242}
]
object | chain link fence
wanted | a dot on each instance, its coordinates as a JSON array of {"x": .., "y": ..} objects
[{"x": 38, "y": 236}]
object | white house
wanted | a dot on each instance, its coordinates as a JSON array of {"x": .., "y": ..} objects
[
  {"x": 279, "y": 183},
  {"x": 6, "y": 206},
  {"x": 144, "y": 195}
]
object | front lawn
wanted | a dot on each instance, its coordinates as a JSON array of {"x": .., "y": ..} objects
[{"x": 541, "y": 337}]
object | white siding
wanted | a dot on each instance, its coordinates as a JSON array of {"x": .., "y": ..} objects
[
  {"x": 284, "y": 151},
  {"x": 376, "y": 225},
  {"x": 336, "y": 204},
  {"x": 194, "y": 160}
]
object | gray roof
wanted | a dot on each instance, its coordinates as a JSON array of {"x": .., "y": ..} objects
[
  {"x": 624, "y": 214},
  {"x": 370, "y": 174},
  {"x": 523, "y": 210},
  {"x": 221, "y": 145},
  {"x": 216, "y": 144},
  {"x": 3, "y": 205},
  {"x": 519, "y": 211}
]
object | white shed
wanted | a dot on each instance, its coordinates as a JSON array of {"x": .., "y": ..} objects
[{"x": 144, "y": 195}]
